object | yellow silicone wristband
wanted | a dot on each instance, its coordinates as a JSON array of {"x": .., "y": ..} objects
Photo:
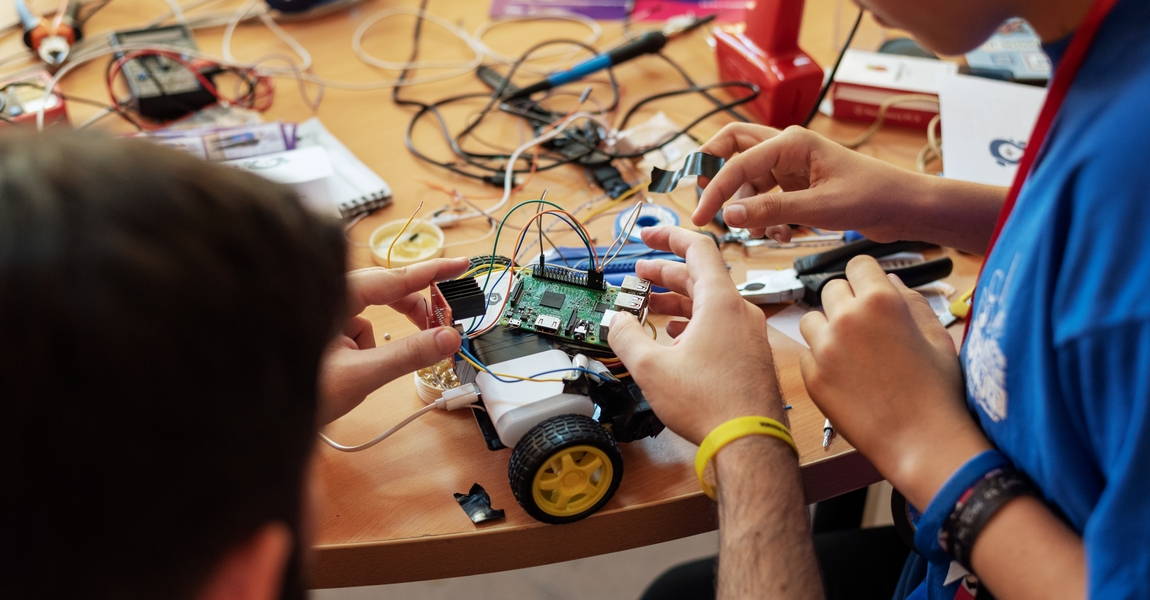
[{"x": 732, "y": 430}]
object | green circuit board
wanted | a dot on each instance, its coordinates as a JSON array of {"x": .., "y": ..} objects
[{"x": 558, "y": 309}]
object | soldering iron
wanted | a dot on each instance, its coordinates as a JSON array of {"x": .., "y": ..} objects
[{"x": 648, "y": 43}]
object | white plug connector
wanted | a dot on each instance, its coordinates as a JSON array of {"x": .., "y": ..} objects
[{"x": 458, "y": 397}]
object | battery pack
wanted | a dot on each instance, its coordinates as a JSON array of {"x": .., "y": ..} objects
[{"x": 162, "y": 89}]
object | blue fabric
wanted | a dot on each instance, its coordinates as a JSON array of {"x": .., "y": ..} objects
[
  {"x": 1057, "y": 360},
  {"x": 910, "y": 583},
  {"x": 930, "y": 522}
]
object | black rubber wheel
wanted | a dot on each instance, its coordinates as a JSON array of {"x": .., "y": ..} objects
[{"x": 565, "y": 469}]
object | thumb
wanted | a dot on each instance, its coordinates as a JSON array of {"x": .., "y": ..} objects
[
  {"x": 628, "y": 340},
  {"x": 773, "y": 208},
  {"x": 923, "y": 315},
  {"x": 367, "y": 370},
  {"x": 413, "y": 352},
  {"x": 349, "y": 375}
]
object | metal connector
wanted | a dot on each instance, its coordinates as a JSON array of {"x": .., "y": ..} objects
[
  {"x": 630, "y": 302},
  {"x": 635, "y": 285}
]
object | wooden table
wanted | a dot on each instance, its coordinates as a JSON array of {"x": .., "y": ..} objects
[{"x": 387, "y": 515}]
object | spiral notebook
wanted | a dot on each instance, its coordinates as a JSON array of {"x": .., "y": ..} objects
[
  {"x": 327, "y": 176},
  {"x": 351, "y": 187}
]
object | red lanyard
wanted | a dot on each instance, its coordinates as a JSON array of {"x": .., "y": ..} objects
[
  {"x": 1071, "y": 61},
  {"x": 1059, "y": 86}
]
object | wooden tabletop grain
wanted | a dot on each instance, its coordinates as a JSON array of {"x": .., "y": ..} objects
[{"x": 387, "y": 514}]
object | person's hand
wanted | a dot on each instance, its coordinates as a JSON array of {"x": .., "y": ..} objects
[
  {"x": 719, "y": 366},
  {"x": 822, "y": 184},
  {"x": 354, "y": 366},
  {"x": 885, "y": 371}
]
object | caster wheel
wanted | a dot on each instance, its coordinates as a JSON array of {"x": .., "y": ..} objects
[{"x": 565, "y": 468}]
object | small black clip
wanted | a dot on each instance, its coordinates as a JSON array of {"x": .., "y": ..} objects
[
  {"x": 698, "y": 164},
  {"x": 477, "y": 504}
]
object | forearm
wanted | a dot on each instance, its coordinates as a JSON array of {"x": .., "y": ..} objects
[
  {"x": 1027, "y": 552},
  {"x": 1024, "y": 551},
  {"x": 765, "y": 541},
  {"x": 957, "y": 214}
]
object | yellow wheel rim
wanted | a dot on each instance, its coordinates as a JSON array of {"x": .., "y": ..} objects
[{"x": 572, "y": 480}]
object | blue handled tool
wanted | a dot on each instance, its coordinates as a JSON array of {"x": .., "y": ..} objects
[{"x": 648, "y": 43}]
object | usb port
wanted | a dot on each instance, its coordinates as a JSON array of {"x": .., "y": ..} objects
[
  {"x": 635, "y": 285},
  {"x": 630, "y": 302}
]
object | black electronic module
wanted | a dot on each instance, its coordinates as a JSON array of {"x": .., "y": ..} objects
[{"x": 552, "y": 299}]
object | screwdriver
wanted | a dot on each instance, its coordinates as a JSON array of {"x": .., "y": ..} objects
[{"x": 648, "y": 43}]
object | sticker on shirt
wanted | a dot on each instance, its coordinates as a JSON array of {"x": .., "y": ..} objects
[
  {"x": 985, "y": 360},
  {"x": 968, "y": 587}
]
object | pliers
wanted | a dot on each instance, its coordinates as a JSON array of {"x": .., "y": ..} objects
[{"x": 811, "y": 273}]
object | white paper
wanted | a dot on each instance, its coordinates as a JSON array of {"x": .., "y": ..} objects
[
  {"x": 909, "y": 74},
  {"x": 787, "y": 322},
  {"x": 985, "y": 127},
  {"x": 308, "y": 170},
  {"x": 353, "y": 179},
  {"x": 291, "y": 167}
]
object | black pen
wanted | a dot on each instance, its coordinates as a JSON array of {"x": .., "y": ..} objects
[{"x": 828, "y": 432}]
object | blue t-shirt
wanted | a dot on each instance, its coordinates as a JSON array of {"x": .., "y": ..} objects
[{"x": 1057, "y": 359}]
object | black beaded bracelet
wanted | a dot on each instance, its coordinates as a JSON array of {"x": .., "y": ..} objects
[{"x": 976, "y": 507}]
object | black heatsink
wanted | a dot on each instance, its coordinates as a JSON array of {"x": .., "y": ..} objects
[{"x": 465, "y": 298}]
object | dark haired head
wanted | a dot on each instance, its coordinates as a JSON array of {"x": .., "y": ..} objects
[{"x": 162, "y": 321}]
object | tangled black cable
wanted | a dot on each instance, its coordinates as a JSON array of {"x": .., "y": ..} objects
[
  {"x": 493, "y": 173},
  {"x": 834, "y": 70},
  {"x": 479, "y": 165}
]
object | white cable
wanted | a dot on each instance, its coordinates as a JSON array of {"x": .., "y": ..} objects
[
  {"x": 291, "y": 73},
  {"x": 229, "y": 30},
  {"x": 463, "y": 396},
  {"x": 478, "y": 238},
  {"x": 99, "y": 40},
  {"x": 177, "y": 11},
  {"x": 596, "y": 32},
  {"x": 95, "y": 118},
  {"x": 383, "y": 436},
  {"x": 193, "y": 5},
  {"x": 257, "y": 9},
  {"x": 23, "y": 56},
  {"x": 312, "y": 102},
  {"x": 508, "y": 175},
  {"x": 288, "y": 40},
  {"x": 82, "y": 54},
  {"x": 464, "y": 66},
  {"x": 624, "y": 234}
]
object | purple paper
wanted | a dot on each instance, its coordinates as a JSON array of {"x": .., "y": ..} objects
[
  {"x": 604, "y": 10},
  {"x": 727, "y": 11}
]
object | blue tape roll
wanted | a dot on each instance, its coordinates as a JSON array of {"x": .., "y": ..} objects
[{"x": 650, "y": 215}]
